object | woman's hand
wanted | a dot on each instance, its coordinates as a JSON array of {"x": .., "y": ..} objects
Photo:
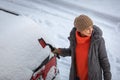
[{"x": 57, "y": 51}]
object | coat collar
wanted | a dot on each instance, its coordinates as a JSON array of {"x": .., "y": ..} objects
[{"x": 96, "y": 34}]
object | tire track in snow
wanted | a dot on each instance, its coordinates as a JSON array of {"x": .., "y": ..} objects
[
  {"x": 53, "y": 9},
  {"x": 80, "y": 9}
]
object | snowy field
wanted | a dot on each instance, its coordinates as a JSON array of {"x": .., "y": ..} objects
[{"x": 52, "y": 20}]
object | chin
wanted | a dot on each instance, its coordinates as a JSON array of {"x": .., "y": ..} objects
[{"x": 88, "y": 35}]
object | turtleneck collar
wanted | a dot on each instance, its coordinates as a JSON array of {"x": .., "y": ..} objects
[{"x": 81, "y": 40}]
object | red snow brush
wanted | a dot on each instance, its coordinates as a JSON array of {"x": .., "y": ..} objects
[{"x": 44, "y": 44}]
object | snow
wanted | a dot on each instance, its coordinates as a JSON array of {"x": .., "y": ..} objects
[
  {"x": 19, "y": 47},
  {"x": 52, "y": 20}
]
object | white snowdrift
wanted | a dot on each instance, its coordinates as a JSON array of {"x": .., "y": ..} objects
[{"x": 20, "y": 52}]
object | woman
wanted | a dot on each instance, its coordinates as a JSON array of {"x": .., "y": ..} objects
[{"x": 87, "y": 51}]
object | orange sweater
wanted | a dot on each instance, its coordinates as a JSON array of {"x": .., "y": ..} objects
[{"x": 82, "y": 48}]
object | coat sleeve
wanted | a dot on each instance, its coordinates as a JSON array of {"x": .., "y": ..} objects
[
  {"x": 65, "y": 52},
  {"x": 104, "y": 62}
]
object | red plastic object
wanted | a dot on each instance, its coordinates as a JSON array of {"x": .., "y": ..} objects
[
  {"x": 43, "y": 72},
  {"x": 42, "y": 42}
]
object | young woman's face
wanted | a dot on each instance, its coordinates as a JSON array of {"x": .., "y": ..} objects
[{"x": 87, "y": 32}]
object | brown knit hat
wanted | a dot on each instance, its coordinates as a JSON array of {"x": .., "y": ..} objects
[{"x": 82, "y": 22}]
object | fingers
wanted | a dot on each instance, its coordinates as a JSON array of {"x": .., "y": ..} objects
[{"x": 57, "y": 51}]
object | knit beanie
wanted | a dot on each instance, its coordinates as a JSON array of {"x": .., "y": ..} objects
[{"x": 82, "y": 22}]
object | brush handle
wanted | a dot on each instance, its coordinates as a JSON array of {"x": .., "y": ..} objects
[{"x": 52, "y": 49}]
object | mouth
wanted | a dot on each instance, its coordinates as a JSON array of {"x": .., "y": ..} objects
[{"x": 89, "y": 33}]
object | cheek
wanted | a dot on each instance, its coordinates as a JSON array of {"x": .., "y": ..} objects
[
  {"x": 91, "y": 30},
  {"x": 87, "y": 33}
]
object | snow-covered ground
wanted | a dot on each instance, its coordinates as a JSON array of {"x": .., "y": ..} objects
[{"x": 54, "y": 19}]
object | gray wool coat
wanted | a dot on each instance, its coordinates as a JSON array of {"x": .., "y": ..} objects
[{"x": 98, "y": 63}]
